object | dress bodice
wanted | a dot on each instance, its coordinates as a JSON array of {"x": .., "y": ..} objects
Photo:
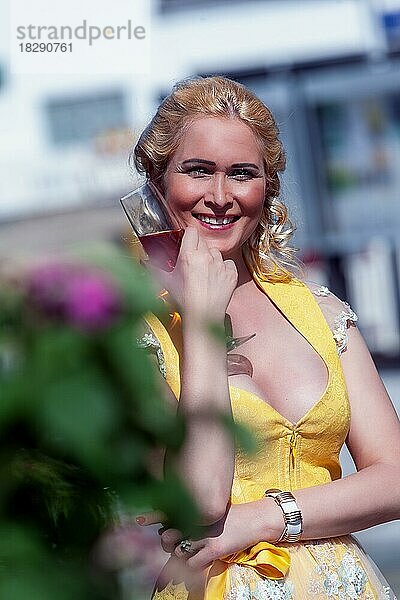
[{"x": 288, "y": 456}]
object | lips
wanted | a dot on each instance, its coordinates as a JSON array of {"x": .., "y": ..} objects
[{"x": 215, "y": 222}]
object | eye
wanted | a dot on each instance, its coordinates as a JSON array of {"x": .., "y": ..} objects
[
  {"x": 197, "y": 171},
  {"x": 242, "y": 174}
]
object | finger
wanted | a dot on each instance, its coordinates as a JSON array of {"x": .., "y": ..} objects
[
  {"x": 231, "y": 265},
  {"x": 202, "y": 244},
  {"x": 170, "y": 539},
  {"x": 151, "y": 517},
  {"x": 185, "y": 554},
  {"x": 215, "y": 253},
  {"x": 190, "y": 240},
  {"x": 201, "y": 559}
]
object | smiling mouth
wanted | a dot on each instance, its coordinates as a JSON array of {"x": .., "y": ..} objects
[{"x": 218, "y": 221}]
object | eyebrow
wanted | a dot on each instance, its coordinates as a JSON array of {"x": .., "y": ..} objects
[{"x": 213, "y": 164}]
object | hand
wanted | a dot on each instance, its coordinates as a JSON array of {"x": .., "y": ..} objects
[
  {"x": 124, "y": 545},
  {"x": 202, "y": 283},
  {"x": 244, "y": 525}
]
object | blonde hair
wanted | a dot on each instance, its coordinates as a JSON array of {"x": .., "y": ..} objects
[{"x": 266, "y": 251}]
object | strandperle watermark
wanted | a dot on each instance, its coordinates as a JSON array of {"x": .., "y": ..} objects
[
  {"x": 80, "y": 37},
  {"x": 84, "y": 31}
]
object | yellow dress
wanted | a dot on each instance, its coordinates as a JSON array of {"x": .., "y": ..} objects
[{"x": 289, "y": 457}]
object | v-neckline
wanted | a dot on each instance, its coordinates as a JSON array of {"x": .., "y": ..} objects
[
  {"x": 269, "y": 289},
  {"x": 266, "y": 287}
]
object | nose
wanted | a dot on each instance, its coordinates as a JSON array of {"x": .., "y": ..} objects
[{"x": 218, "y": 193}]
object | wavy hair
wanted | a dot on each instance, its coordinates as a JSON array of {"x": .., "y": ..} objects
[{"x": 267, "y": 250}]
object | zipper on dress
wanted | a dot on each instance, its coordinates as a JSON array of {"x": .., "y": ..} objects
[{"x": 292, "y": 454}]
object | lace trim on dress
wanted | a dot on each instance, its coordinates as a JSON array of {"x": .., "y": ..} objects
[
  {"x": 149, "y": 342},
  {"x": 339, "y": 578},
  {"x": 322, "y": 291},
  {"x": 340, "y": 327},
  {"x": 243, "y": 586},
  {"x": 341, "y": 320},
  {"x": 171, "y": 592}
]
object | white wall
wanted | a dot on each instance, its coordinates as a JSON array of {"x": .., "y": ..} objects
[
  {"x": 260, "y": 33},
  {"x": 217, "y": 37}
]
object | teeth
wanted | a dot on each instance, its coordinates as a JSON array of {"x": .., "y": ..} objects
[{"x": 214, "y": 220}]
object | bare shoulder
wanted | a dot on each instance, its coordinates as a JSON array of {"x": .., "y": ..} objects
[
  {"x": 338, "y": 313},
  {"x": 328, "y": 301}
]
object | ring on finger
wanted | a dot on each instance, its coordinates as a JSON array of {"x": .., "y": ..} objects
[{"x": 186, "y": 546}]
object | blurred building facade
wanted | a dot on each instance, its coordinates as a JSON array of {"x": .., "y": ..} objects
[{"x": 328, "y": 69}]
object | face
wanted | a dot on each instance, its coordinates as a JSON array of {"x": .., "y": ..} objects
[{"x": 216, "y": 182}]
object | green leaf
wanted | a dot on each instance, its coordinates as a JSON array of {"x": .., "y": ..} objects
[
  {"x": 57, "y": 350},
  {"x": 170, "y": 496},
  {"x": 129, "y": 364},
  {"x": 129, "y": 452},
  {"x": 19, "y": 544},
  {"x": 77, "y": 415},
  {"x": 218, "y": 331},
  {"x": 16, "y": 391},
  {"x": 242, "y": 435},
  {"x": 42, "y": 583}
]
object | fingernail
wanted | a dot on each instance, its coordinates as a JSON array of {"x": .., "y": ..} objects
[{"x": 140, "y": 520}]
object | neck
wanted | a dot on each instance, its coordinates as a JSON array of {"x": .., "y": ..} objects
[{"x": 244, "y": 275}]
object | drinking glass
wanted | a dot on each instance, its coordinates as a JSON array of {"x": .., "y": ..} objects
[
  {"x": 237, "y": 363},
  {"x": 155, "y": 226}
]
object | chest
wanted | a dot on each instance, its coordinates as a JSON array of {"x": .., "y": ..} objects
[{"x": 287, "y": 371}]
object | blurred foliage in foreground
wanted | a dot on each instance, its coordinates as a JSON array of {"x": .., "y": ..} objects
[{"x": 80, "y": 415}]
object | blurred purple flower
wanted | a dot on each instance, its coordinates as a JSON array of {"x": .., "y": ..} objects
[
  {"x": 85, "y": 298},
  {"x": 91, "y": 302},
  {"x": 46, "y": 285}
]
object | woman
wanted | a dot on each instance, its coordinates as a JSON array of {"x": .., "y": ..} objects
[{"x": 276, "y": 523}]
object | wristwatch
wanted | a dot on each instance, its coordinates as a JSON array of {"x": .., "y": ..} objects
[{"x": 291, "y": 514}]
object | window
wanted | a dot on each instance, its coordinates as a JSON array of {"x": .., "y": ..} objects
[{"x": 81, "y": 118}]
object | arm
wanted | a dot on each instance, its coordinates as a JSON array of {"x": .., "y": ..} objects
[
  {"x": 210, "y": 357},
  {"x": 372, "y": 495},
  {"x": 208, "y": 447},
  {"x": 201, "y": 285}
]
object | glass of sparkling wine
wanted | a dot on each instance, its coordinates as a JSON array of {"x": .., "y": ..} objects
[{"x": 156, "y": 228}]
